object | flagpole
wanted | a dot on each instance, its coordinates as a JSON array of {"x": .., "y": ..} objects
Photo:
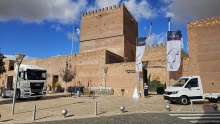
[
  {"x": 168, "y": 73},
  {"x": 72, "y": 42}
]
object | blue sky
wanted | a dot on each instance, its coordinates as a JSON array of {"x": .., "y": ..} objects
[{"x": 44, "y": 28}]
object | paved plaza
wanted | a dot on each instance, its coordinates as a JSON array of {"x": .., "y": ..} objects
[{"x": 50, "y": 107}]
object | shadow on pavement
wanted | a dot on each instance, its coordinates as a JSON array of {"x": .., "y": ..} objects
[
  {"x": 44, "y": 117},
  {"x": 6, "y": 120},
  {"x": 9, "y": 100}
]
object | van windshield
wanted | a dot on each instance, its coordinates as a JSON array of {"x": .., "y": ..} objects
[
  {"x": 180, "y": 82},
  {"x": 33, "y": 74}
]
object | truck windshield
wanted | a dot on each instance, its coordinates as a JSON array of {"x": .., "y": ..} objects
[
  {"x": 180, "y": 82},
  {"x": 33, "y": 74}
]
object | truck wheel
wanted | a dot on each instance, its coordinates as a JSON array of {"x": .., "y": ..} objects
[
  {"x": 3, "y": 94},
  {"x": 184, "y": 100},
  {"x": 213, "y": 100},
  {"x": 17, "y": 96}
]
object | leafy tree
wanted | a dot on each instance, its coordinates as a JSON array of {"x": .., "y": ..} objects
[
  {"x": 67, "y": 74},
  {"x": 2, "y": 64}
]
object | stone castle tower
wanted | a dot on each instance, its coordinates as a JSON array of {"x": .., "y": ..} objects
[{"x": 112, "y": 28}]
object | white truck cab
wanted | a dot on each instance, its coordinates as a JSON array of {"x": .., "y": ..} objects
[
  {"x": 31, "y": 83},
  {"x": 186, "y": 89}
]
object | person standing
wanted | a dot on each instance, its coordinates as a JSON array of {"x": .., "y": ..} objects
[{"x": 145, "y": 90}]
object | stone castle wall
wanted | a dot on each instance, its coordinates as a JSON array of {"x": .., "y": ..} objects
[
  {"x": 89, "y": 71},
  {"x": 204, "y": 59}
]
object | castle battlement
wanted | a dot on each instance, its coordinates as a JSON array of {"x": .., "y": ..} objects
[
  {"x": 101, "y": 11},
  {"x": 205, "y": 22},
  {"x": 98, "y": 12},
  {"x": 55, "y": 58},
  {"x": 161, "y": 45}
]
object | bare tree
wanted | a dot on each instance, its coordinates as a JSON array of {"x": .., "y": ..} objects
[{"x": 67, "y": 74}]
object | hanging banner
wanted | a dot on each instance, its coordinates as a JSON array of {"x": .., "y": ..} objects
[
  {"x": 140, "y": 48},
  {"x": 174, "y": 44}
]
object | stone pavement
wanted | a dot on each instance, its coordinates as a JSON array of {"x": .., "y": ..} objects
[{"x": 50, "y": 107}]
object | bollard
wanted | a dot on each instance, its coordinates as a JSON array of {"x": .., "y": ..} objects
[
  {"x": 122, "y": 108},
  {"x": 215, "y": 106},
  {"x": 64, "y": 112},
  {"x": 34, "y": 113},
  {"x": 168, "y": 107},
  {"x": 95, "y": 108},
  {"x": 192, "y": 109}
]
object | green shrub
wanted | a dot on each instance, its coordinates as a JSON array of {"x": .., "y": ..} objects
[
  {"x": 58, "y": 87},
  {"x": 156, "y": 86}
]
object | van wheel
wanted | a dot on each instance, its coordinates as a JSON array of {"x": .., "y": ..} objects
[
  {"x": 213, "y": 100},
  {"x": 184, "y": 100},
  {"x": 17, "y": 96}
]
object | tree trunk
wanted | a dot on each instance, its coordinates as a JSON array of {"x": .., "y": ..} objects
[{"x": 66, "y": 89}]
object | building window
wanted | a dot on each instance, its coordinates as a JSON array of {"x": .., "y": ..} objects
[{"x": 11, "y": 68}]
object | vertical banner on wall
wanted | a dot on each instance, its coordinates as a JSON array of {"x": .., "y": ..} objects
[
  {"x": 140, "y": 48},
  {"x": 174, "y": 44}
]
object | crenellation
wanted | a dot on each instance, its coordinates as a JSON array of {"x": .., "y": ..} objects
[
  {"x": 162, "y": 44},
  {"x": 103, "y": 10},
  {"x": 204, "y": 22},
  {"x": 147, "y": 47}
]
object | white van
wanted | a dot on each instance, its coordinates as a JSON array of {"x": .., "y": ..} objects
[{"x": 188, "y": 88}]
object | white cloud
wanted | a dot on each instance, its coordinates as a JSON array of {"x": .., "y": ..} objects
[
  {"x": 11, "y": 57},
  {"x": 72, "y": 37},
  {"x": 98, "y": 4},
  {"x": 184, "y": 11},
  {"x": 57, "y": 27},
  {"x": 140, "y": 9},
  {"x": 106, "y": 3},
  {"x": 63, "y": 11},
  {"x": 157, "y": 39}
]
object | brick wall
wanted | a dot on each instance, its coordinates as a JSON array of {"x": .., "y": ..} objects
[{"x": 204, "y": 50}]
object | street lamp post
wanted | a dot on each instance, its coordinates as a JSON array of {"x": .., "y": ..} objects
[
  {"x": 105, "y": 70},
  {"x": 19, "y": 58}
]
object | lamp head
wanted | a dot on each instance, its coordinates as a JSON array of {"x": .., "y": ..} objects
[
  {"x": 19, "y": 56},
  {"x": 105, "y": 69}
]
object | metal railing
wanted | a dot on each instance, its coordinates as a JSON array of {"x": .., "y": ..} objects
[{"x": 101, "y": 90}]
